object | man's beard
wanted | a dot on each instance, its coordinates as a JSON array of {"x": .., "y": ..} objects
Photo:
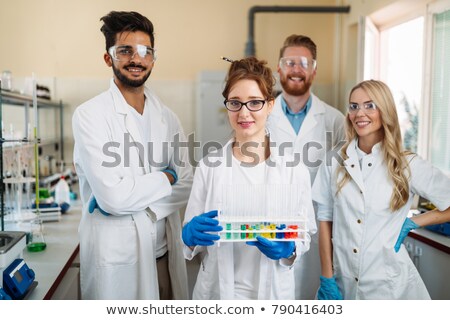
[
  {"x": 127, "y": 81},
  {"x": 295, "y": 91}
]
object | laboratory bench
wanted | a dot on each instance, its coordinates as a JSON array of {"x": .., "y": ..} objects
[
  {"x": 433, "y": 239},
  {"x": 57, "y": 267}
]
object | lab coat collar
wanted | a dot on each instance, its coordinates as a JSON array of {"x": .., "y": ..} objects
[
  {"x": 352, "y": 165},
  {"x": 282, "y": 122},
  {"x": 351, "y": 150},
  {"x": 120, "y": 104},
  {"x": 157, "y": 122}
]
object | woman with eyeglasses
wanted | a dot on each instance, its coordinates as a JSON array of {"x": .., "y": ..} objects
[
  {"x": 364, "y": 201},
  {"x": 258, "y": 267}
]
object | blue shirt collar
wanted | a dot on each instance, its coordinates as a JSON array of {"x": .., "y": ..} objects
[{"x": 288, "y": 111}]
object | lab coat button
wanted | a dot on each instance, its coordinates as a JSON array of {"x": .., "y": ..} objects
[
  {"x": 359, "y": 221},
  {"x": 356, "y": 279},
  {"x": 355, "y": 251},
  {"x": 370, "y": 164},
  {"x": 352, "y": 165}
]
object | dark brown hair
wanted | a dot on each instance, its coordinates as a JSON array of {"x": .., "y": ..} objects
[
  {"x": 117, "y": 22},
  {"x": 251, "y": 69}
]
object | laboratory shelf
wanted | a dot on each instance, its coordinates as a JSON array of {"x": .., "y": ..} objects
[
  {"x": 13, "y": 149},
  {"x": 18, "y": 99}
]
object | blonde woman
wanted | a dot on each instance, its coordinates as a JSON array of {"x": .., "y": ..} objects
[{"x": 363, "y": 204}]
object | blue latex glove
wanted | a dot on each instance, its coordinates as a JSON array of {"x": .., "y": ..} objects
[
  {"x": 407, "y": 226},
  {"x": 328, "y": 289},
  {"x": 94, "y": 205},
  {"x": 195, "y": 232},
  {"x": 274, "y": 250},
  {"x": 173, "y": 173}
]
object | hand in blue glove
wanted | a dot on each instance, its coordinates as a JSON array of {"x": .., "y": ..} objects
[
  {"x": 173, "y": 174},
  {"x": 195, "y": 232},
  {"x": 407, "y": 226},
  {"x": 94, "y": 205},
  {"x": 274, "y": 250},
  {"x": 328, "y": 289}
]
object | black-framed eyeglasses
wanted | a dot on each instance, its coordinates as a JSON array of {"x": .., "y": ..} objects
[
  {"x": 251, "y": 105},
  {"x": 367, "y": 107}
]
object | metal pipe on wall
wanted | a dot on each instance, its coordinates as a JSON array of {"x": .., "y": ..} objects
[{"x": 250, "y": 45}]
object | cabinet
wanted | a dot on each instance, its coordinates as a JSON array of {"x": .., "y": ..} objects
[
  {"x": 433, "y": 265},
  {"x": 18, "y": 108}
]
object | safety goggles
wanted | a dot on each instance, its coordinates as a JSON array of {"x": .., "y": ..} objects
[
  {"x": 126, "y": 53},
  {"x": 289, "y": 63},
  {"x": 367, "y": 107}
]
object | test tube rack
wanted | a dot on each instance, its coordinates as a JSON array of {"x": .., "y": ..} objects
[
  {"x": 275, "y": 212},
  {"x": 275, "y": 231}
]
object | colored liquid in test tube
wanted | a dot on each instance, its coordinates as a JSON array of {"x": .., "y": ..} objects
[
  {"x": 272, "y": 227},
  {"x": 228, "y": 234},
  {"x": 250, "y": 234},
  {"x": 295, "y": 233},
  {"x": 280, "y": 235}
]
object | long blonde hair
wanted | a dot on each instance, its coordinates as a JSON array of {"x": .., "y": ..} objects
[{"x": 391, "y": 145}]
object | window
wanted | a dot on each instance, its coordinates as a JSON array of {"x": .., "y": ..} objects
[
  {"x": 439, "y": 142},
  {"x": 394, "y": 55},
  {"x": 412, "y": 55}
]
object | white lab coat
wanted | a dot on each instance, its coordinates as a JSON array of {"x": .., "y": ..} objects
[
  {"x": 320, "y": 120},
  {"x": 365, "y": 230},
  {"x": 215, "y": 279},
  {"x": 117, "y": 252}
]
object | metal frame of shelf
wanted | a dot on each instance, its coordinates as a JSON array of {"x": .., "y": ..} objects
[{"x": 17, "y": 99}]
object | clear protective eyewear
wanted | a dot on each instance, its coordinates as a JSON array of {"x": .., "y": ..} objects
[
  {"x": 126, "y": 52},
  {"x": 252, "y": 105},
  {"x": 367, "y": 107},
  {"x": 288, "y": 63}
]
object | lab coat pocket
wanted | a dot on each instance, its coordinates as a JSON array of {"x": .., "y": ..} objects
[
  {"x": 116, "y": 242},
  {"x": 398, "y": 272},
  {"x": 391, "y": 265}
]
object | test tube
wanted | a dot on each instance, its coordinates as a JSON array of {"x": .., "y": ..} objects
[
  {"x": 242, "y": 231},
  {"x": 273, "y": 226},
  {"x": 280, "y": 235},
  {"x": 228, "y": 234},
  {"x": 250, "y": 234}
]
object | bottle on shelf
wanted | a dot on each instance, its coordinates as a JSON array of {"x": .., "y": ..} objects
[{"x": 62, "y": 194}]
